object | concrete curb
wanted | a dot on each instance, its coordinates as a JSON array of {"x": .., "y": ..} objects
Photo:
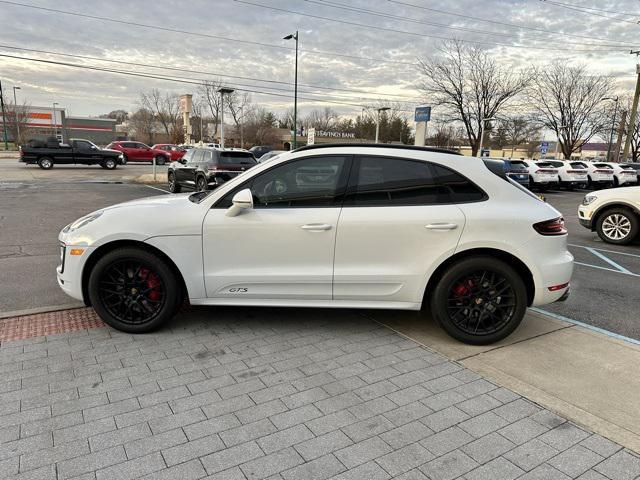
[
  {"x": 147, "y": 178},
  {"x": 36, "y": 310}
]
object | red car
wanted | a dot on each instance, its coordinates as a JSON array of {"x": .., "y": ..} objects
[
  {"x": 139, "y": 152},
  {"x": 176, "y": 152}
]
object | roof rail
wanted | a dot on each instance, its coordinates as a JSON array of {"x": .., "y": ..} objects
[{"x": 377, "y": 145}]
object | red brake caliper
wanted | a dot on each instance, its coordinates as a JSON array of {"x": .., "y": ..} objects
[
  {"x": 153, "y": 282},
  {"x": 463, "y": 288}
]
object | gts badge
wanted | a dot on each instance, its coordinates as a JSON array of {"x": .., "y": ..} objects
[{"x": 238, "y": 290}]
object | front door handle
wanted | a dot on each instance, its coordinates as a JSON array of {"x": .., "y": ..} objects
[
  {"x": 316, "y": 227},
  {"x": 441, "y": 226}
]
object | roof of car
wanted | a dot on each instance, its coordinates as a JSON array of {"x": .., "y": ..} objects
[{"x": 376, "y": 145}]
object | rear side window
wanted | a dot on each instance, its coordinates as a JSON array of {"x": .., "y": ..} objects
[
  {"x": 519, "y": 163},
  {"x": 460, "y": 189},
  {"x": 197, "y": 156},
  {"x": 382, "y": 181},
  {"x": 208, "y": 156}
]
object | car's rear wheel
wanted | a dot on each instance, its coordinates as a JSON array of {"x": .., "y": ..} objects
[
  {"x": 109, "y": 164},
  {"x": 174, "y": 187},
  {"x": 618, "y": 226},
  {"x": 201, "y": 184},
  {"x": 45, "y": 163},
  {"x": 133, "y": 290},
  {"x": 160, "y": 160},
  {"x": 479, "y": 300}
]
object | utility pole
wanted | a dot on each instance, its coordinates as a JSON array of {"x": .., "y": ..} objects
[
  {"x": 4, "y": 119},
  {"x": 634, "y": 111},
  {"x": 613, "y": 125},
  {"x": 616, "y": 153}
]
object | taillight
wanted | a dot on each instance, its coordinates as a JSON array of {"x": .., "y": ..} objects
[{"x": 551, "y": 227}]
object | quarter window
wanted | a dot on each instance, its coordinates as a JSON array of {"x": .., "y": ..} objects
[{"x": 460, "y": 189}]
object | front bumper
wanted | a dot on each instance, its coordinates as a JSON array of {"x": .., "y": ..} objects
[
  {"x": 585, "y": 217},
  {"x": 69, "y": 272}
]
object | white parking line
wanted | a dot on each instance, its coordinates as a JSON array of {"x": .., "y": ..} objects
[
  {"x": 159, "y": 189},
  {"x": 586, "y": 325},
  {"x": 607, "y": 269},
  {"x": 607, "y": 251},
  {"x": 608, "y": 260}
]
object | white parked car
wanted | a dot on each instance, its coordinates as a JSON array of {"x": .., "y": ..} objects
[
  {"x": 614, "y": 214},
  {"x": 569, "y": 176},
  {"x": 543, "y": 178},
  {"x": 358, "y": 226},
  {"x": 621, "y": 175},
  {"x": 596, "y": 176}
]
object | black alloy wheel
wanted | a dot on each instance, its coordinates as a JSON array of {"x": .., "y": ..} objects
[
  {"x": 174, "y": 187},
  {"x": 479, "y": 300},
  {"x": 133, "y": 290}
]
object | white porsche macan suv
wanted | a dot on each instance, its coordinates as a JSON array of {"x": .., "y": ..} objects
[{"x": 350, "y": 226}]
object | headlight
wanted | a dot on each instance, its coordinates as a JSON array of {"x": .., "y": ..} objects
[
  {"x": 589, "y": 198},
  {"x": 81, "y": 222}
]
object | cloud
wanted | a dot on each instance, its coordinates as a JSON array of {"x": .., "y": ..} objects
[{"x": 86, "y": 92}]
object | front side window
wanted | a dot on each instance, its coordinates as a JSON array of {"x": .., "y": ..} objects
[
  {"x": 382, "y": 181},
  {"x": 308, "y": 182}
]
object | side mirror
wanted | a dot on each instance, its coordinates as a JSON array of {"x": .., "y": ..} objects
[
  {"x": 182, "y": 161},
  {"x": 93, "y": 147},
  {"x": 242, "y": 200}
]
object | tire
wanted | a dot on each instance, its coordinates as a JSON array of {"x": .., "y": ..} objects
[
  {"x": 160, "y": 160},
  {"x": 201, "y": 184},
  {"x": 109, "y": 164},
  {"x": 45, "y": 163},
  {"x": 174, "y": 187},
  {"x": 117, "y": 300},
  {"x": 124, "y": 160},
  {"x": 618, "y": 226},
  {"x": 463, "y": 290},
  {"x": 616, "y": 183}
]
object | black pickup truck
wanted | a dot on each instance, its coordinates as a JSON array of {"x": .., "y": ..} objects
[{"x": 49, "y": 153}]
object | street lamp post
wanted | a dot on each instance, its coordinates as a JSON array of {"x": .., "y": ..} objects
[
  {"x": 55, "y": 121},
  {"x": 613, "y": 125},
  {"x": 15, "y": 114},
  {"x": 295, "y": 94},
  {"x": 4, "y": 119},
  {"x": 222, "y": 92},
  {"x": 482, "y": 122},
  {"x": 381, "y": 109}
]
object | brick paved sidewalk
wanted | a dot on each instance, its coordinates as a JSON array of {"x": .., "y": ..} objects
[{"x": 280, "y": 394}]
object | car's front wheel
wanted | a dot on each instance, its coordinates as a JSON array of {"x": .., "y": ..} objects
[
  {"x": 618, "y": 226},
  {"x": 174, "y": 187},
  {"x": 133, "y": 290},
  {"x": 160, "y": 160},
  {"x": 109, "y": 164},
  {"x": 479, "y": 300}
]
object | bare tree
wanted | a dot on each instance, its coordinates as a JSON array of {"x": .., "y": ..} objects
[
  {"x": 443, "y": 136},
  {"x": 325, "y": 119},
  {"x": 211, "y": 100},
  {"x": 17, "y": 118},
  {"x": 118, "y": 115},
  {"x": 518, "y": 130},
  {"x": 260, "y": 127},
  {"x": 470, "y": 86},
  {"x": 166, "y": 109},
  {"x": 568, "y": 101},
  {"x": 142, "y": 123}
]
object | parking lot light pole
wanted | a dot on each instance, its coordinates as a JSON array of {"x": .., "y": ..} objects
[
  {"x": 222, "y": 92},
  {"x": 55, "y": 122},
  {"x": 381, "y": 109},
  {"x": 295, "y": 93},
  {"x": 482, "y": 122},
  {"x": 15, "y": 114},
  {"x": 613, "y": 125}
]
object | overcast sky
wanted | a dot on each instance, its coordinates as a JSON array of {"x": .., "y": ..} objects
[{"x": 393, "y": 39}]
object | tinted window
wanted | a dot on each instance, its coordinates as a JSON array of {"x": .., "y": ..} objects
[
  {"x": 81, "y": 145},
  {"x": 208, "y": 156},
  {"x": 602, "y": 165},
  {"x": 460, "y": 189},
  {"x": 519, "y": 163},
  {"x": 232, "y": 158},
  {"x": 309, "y": 182},
  {"x": 578, "y": 165},
  {"x": 381, "y": 181}
]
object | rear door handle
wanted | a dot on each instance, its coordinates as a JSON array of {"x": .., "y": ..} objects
[
  {"x": 316, "y": 227},
  {"x": 441, "y": 226}
]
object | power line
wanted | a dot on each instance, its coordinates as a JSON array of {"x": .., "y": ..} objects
[
  {"x": 176, "y": 79},
  {"x": 416, "y": 34},
  {"x": 138, "y": 64},
  {"x": 577, "y": 8},
  {"x": 628, "y": 14},
  {"x": 494, "y": 22},
  {"x": 378, "y": 13},
  {"x": 205, "y": 35}
]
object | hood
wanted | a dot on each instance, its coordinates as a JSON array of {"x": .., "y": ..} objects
[
  {"x": 140, "y": 219},
  {"x": 110, "y": 150}
]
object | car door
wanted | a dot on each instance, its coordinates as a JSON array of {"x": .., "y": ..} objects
[
  {"x": 186, "y": 174},
  {"x": 282, "y": 248},
  {"x": 397, "y": 222},
  {"x": 83, "y": 151}
]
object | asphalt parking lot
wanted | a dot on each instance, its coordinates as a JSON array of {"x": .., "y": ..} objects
[{"x": 605, "y": 285}]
